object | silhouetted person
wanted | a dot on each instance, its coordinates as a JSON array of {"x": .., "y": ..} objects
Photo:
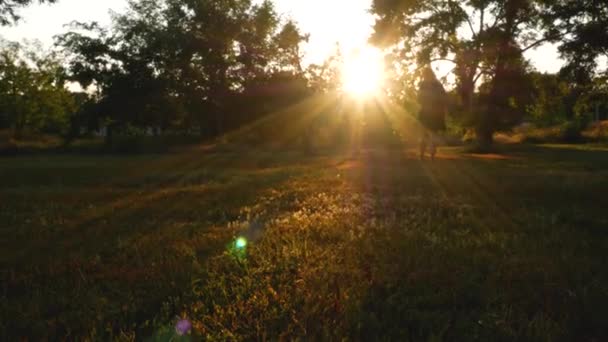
[
  {"x": 428, "y": 140},
  {"x": 433, "y": 107}
]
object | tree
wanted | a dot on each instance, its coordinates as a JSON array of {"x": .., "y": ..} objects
[
  {"x": 32, "y": 90},
  {"x": 551, "y": 100},
  {"x": 584, "y": 40},
  {"x": 582, "y": 25},
  {"x": 288, "y": 51},
  {"x": 183, "y": 62},
  {"x": 8, "y": 9},
  {"x": 592, "y": 100},
  {"x": 483, "y": 39},
  {"x": 326, "y": 77},
  {"x": 506, "y": 95},
  {"x": 122, "y": 69}
]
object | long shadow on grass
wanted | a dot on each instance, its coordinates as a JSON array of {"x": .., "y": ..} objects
[
  {"x": 120, "y": 259},
  {"x": 478, "y": 250}
]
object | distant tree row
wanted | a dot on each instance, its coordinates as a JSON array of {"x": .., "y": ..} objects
[
  {"x": 210, "y": 64},
  {"x": 216, "y": 66}
]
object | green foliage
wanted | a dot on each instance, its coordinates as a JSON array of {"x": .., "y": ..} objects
[
  {"x": 568, "y": 132},
  {"x": 571, "y": 132},
  {"x": 32, "y": 90},
  {"x": 592, "y": 100},
  {"x": 484, "y": 39},
  {"x": 551, "y": 100},
  {"x": 583, "y": 37},
  {"x": 597, "y": 132},
  {"x": 565, "y": 108},
  {"x": 179, "y": 64}
]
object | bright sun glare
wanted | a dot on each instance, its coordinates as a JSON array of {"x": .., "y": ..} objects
[{"x": 363, "y": 73}]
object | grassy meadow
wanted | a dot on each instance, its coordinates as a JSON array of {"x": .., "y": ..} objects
[{"x": 372, "y": 245}]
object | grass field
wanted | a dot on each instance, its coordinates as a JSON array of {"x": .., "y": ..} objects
[{"x": 373, "y": 245}]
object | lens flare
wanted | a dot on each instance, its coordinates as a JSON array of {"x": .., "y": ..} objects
[
  {"x": 241, "y": 243},
  {"x": 183, "y": 327}
]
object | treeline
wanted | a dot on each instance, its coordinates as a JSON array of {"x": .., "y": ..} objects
[
  {"x": 186, "y": 64},
  {"x": 212, "y": 67},
  {"x": 204, "y": 66}
]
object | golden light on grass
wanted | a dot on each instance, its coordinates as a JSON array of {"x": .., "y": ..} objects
[{"x": 363, "y": 73}]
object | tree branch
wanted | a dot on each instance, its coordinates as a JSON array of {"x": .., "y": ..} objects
[
  {"x": 476, "y": 78},
  {"x": 442, "y": 59},
  {"x": 498, "y": 17},
  {"x": 482, "y": 16},
  {"x": 448, "y": 73},
  {"x": 471, "y": 26},
  {"x": 543, "y": 40},
  {"x": 482, "y": 72}
]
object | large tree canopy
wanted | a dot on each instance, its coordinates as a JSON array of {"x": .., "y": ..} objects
[
  {"x": 484, "y": 39},
  {"x": 186, "y": 63},
  {"x": 583, "y": 25}
]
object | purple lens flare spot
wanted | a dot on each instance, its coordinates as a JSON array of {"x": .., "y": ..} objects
[{"x": 183, "y": 327}]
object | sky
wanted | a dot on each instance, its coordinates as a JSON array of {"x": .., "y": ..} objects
[{"x": 343, "y": 21}]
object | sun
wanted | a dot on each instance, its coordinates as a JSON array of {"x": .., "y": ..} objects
[{"x": 363, "y": 73}]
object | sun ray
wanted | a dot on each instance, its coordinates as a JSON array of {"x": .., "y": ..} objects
[{"x": 363, "y": 73}]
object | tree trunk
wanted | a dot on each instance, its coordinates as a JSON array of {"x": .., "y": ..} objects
[
  {"x": 467, "y": 91},
  {"x": 219, "y": 123},
  {"x": 110, "y": 134},
  {"x": 18, "y": 127},
  {"x": 17, "y": 133},
  {"x": 485, "y": 135}
]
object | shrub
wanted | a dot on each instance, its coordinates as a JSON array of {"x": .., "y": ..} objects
[
  {"x": 131, "y": 139},
  {"x": 597, "y": 132},
  {"x": 570, "y": 132}
]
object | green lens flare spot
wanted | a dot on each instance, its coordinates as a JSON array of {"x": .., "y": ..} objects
[{"x": 241, "y": 243}]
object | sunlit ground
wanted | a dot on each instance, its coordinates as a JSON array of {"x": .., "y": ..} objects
[{"x": 267, "y": 244}]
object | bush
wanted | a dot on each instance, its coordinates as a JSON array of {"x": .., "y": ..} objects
[
  {"x": 570, "y": 132},
  {"x": 29, "y": 142},
  {"x": 131, "y": 139},
  {"x": 597, "y": 132}
]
